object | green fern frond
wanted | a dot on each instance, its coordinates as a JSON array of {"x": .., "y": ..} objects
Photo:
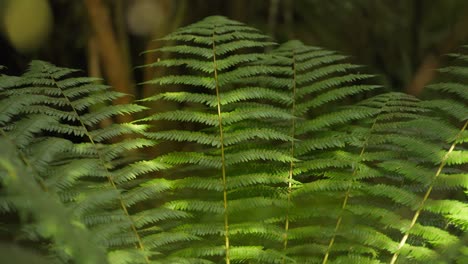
[
  {"x": 145, "y": 191},
  {"x": 93, "y": 167},
  {"x": 72, "y": 238},
  {"x": 282, "y": 162},
  {"x": 314, "y": 77},
  {"x": 221, "y": 55},
  {"x": 443, "y": 159}
]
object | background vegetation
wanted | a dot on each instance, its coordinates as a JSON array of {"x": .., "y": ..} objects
[{"x": 400, "y": 40}]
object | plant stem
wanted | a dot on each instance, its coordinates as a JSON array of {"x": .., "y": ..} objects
[
  {"x": 223, "y": 160},
  {"x": 108, "y": 173},
  {"x": 347, "y": 195},
  {"x": 291, "y": 165},
  {"x": 426, "y": 195}
]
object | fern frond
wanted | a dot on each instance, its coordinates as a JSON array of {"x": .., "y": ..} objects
[
  {"x": 72, "y": 239},
  {"x": 61, "y": 105},
  {"x": 281, "y": 161},
  {"x": 219, "y": 55},
  {"x": 456, "y": 108},
  {"x": 314, "y": 77}
]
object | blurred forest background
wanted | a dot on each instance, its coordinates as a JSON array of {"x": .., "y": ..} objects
[{"x": 401, "y": 40}]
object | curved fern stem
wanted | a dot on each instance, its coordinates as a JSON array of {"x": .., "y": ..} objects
[
  {"x": 291, "y": 164},
  {"x": 109, "y": 176},
  {"x": 345, "y": 200},
  {"x": 223, "y": 161},
  {"x": 343, "y": 206},
  {"x": 426, "y": 195}
]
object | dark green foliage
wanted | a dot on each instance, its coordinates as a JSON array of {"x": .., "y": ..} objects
[
  {"x": 46, "y": 115},
  {"x": 51, "y": 220},
  {"x": 282, "y": 163}
]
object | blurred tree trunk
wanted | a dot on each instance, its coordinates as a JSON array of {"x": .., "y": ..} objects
[
  {"x": 426, "y": 71},
  {"x": 174, "y": 17},
  {"x": 121, "y": 32},
  {"x": 169, "y": 23},
  {"x": 289, "y": 18},
  {"x": 94, "y": 70},
  {"x": 114, "y": 64},
  {"x": 415, "y": 46},
  {"x": 239, "y": 10},
  {"x": 273, "y": 18}
]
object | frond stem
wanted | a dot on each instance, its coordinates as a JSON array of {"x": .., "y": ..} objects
[
  {"x": 223, "y": 161},
  {"x": 291, "y": 164},
  {"x": 109, "y": 176},
  {"x": 426, "y": 195},
  {"x": 346, "y": 198}
]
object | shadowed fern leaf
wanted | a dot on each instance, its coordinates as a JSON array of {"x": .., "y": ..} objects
[
  {"x": 30, "y": 200},
  {"x": 47, "y": 116}
]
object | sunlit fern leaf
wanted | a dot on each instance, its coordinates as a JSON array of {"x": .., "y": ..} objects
[
  {"x": 314, "y": 78},
  {"x": 401, "y": 131},
  {"x": 446, "y": 160},
  {"x": 212, "y": 58},
  {"x": 374, "y": 143}
]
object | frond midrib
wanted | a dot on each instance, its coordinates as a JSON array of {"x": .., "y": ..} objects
[{"x": 104, "y": 166}]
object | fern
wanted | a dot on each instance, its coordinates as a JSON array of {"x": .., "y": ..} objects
[
  {"x": 314, "y": 77},
  {"x": 231, "y": 117},
  {"x": 449, "y": 161},
  {"x": 288, "y": 158},
  {"x": 31, "y": 201},
  {"x": 87, "y": 174}
]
